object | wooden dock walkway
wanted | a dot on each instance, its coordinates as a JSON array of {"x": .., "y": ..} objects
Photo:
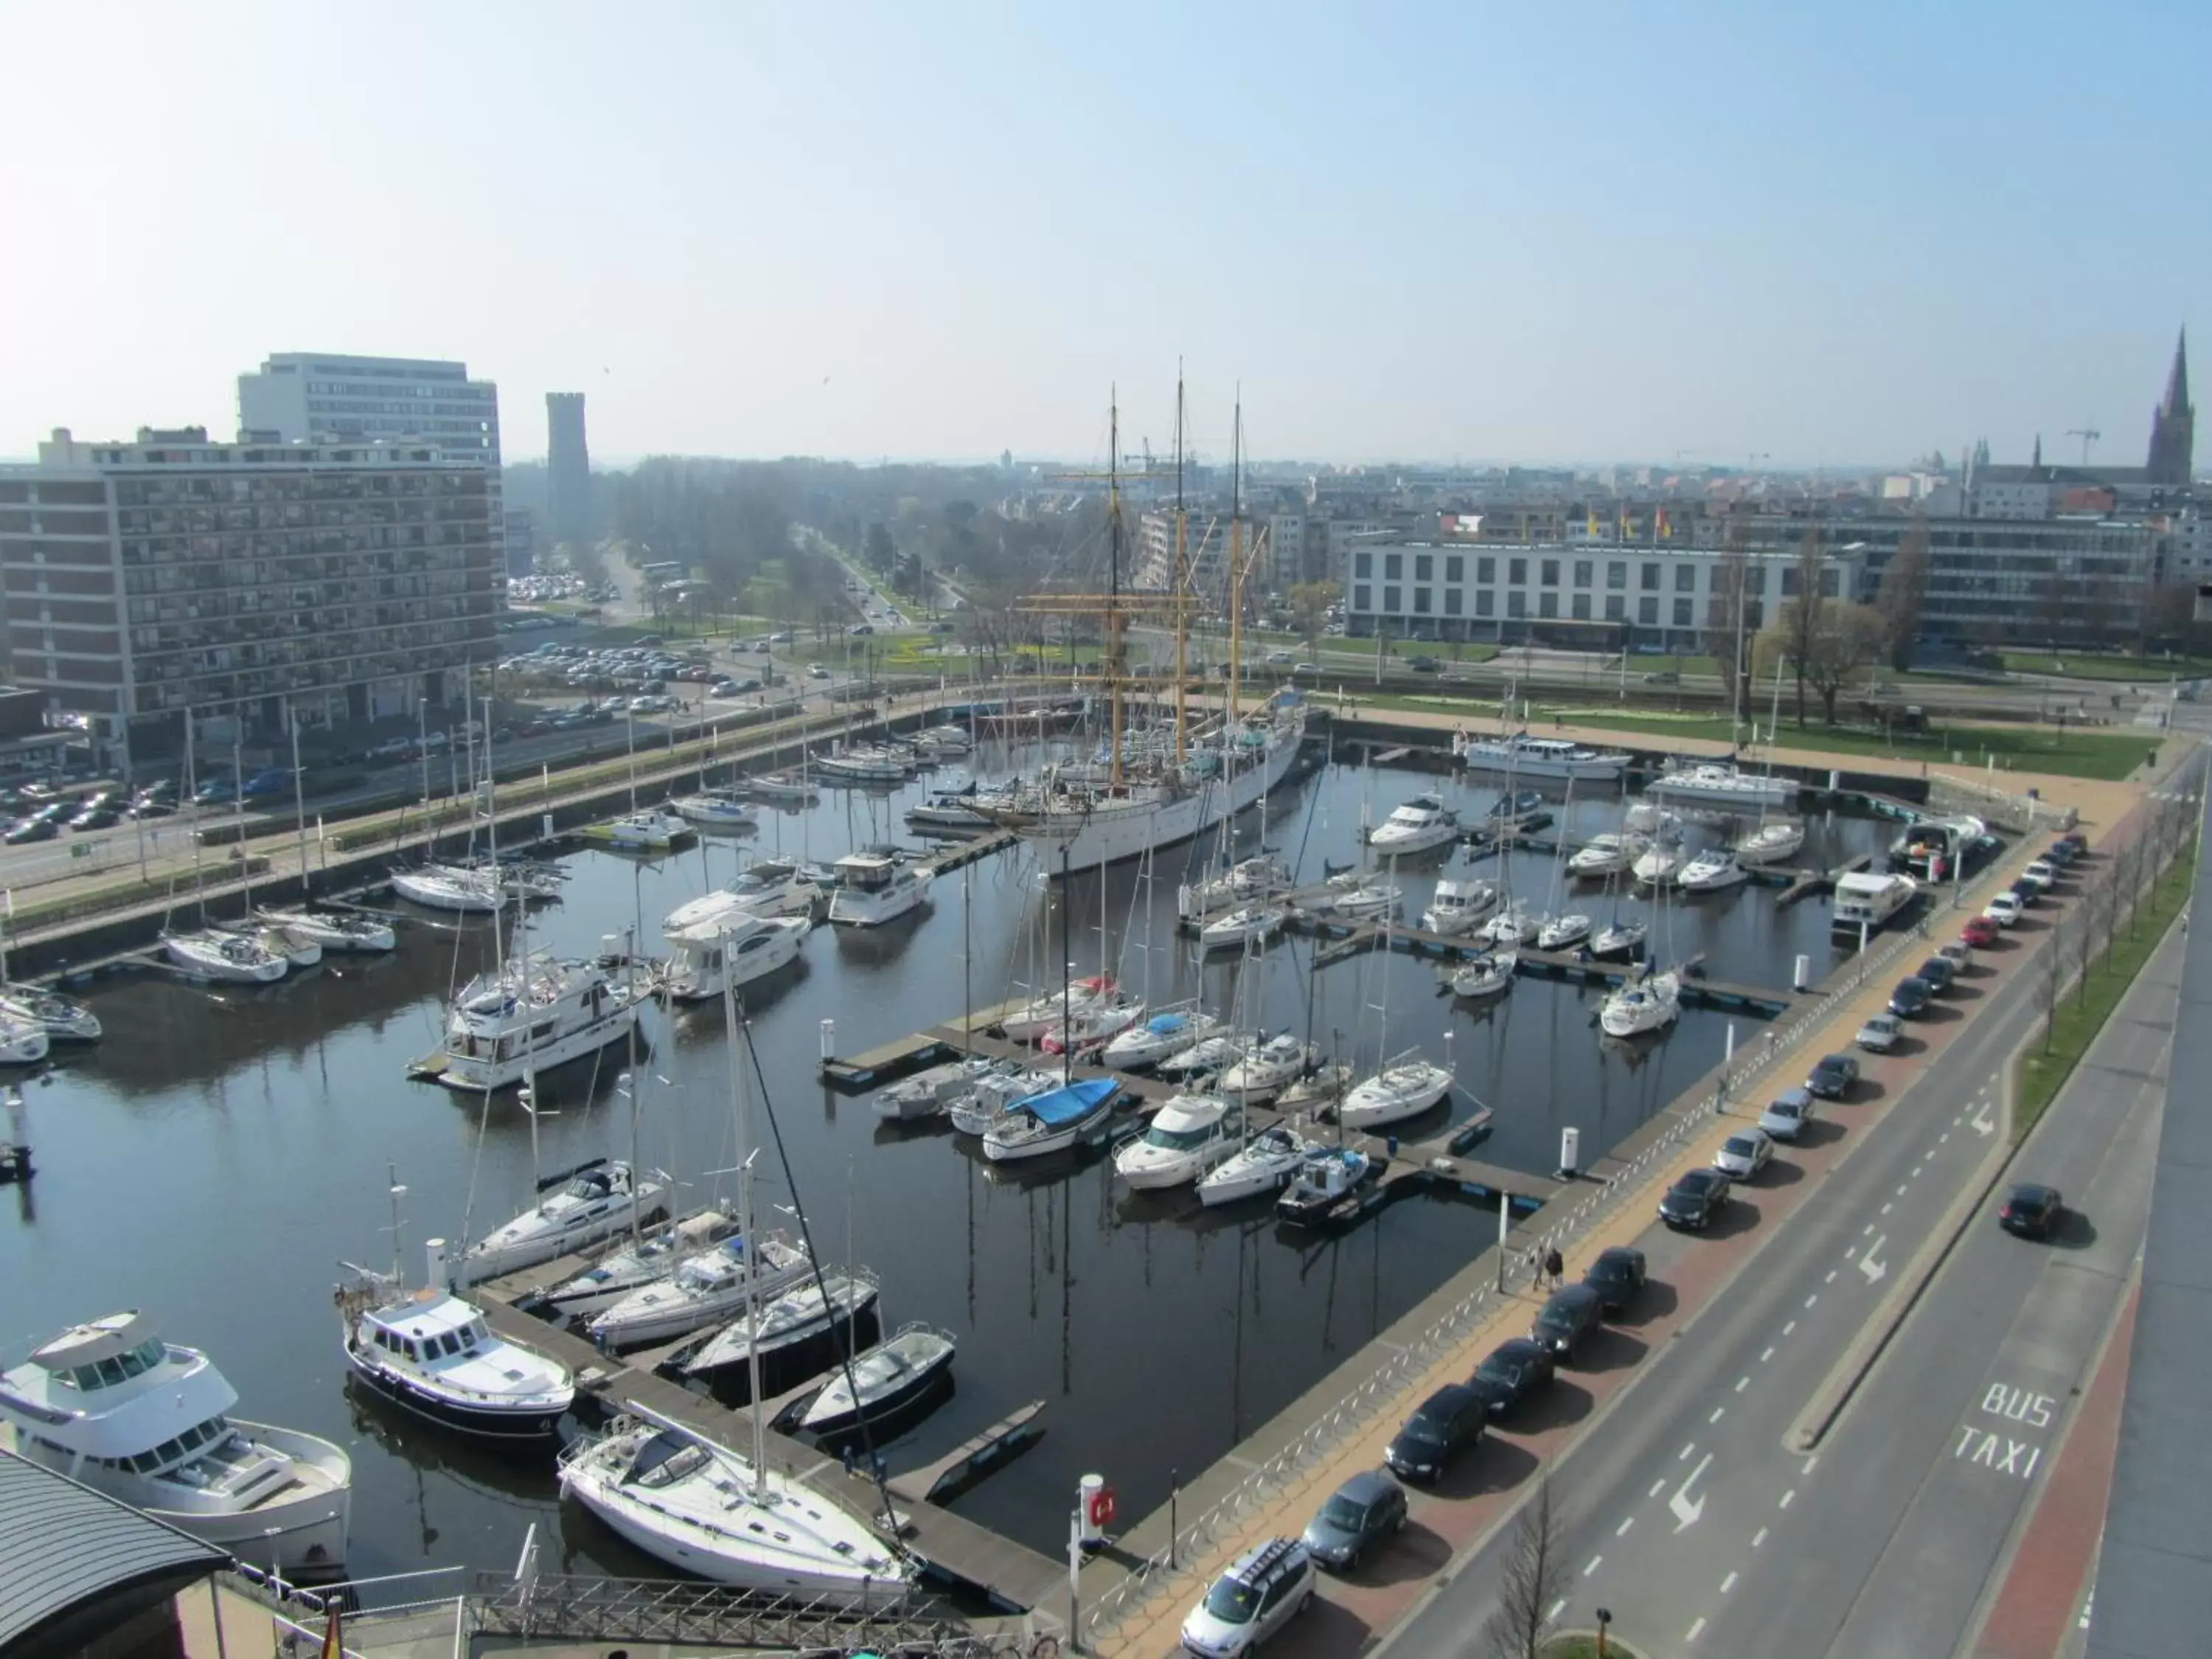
[{"x": 970, "y": 1557}]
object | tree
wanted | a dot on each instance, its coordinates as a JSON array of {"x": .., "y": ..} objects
[
  {"x": 1729, "y": 632},
  {"x": 878, "y": 549},
  {"x": 1801, "y": 617},
  {"x": 1309, "y": 606},
  {"x": 1535, "y": 1577},
  {"x": 2168, "y": 615},
  {"x": 1844, "y": 639},
  {"x": 1904, "y": 591}
]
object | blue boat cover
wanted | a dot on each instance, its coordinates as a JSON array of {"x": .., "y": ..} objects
[
  {"x": 1056, "y": 1108},
  {"x": 1162, "y": 1024}
]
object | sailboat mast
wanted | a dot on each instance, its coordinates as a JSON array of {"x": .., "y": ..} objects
[
  {"x": 1235, "y": 555},
  {"x": 1182, "y": 587},
  {"x": 1114, "y": 578},
  {"x": 740, "y": 1108}
]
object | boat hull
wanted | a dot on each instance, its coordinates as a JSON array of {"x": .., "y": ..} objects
[
  {"x": 621, "y": 1519},
  {"x": 475, "y": 1074},
  {"x": 499, "y": 1425},
  {"x": 1254, "y": 1182}
]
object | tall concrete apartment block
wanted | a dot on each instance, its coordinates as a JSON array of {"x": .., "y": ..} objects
[
  {"x": 567, "y": 467},
  {"x": 268, "y": 581}
]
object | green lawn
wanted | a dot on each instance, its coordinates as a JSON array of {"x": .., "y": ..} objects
[
  {"x": 2082, "y": 666},
  {"x": 2083, "y": 1015},
  {"x": 1585, "y": 1647},
  {"x": 1646, "y": 662}
]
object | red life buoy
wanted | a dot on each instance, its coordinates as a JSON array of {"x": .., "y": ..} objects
[{"x": 1102, "y": 1508}]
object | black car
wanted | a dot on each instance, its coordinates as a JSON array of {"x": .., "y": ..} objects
[
  {"x": 1832, "y": 1076},
  {"x": 153, "y": 807},
  {"x": 2029, "y": 893},
  {"x": 1512, "y": 1371},
  {"x": 1617, "y": 1276},
  {"x": 2060, "y": 854},
  {"x": 25, "y": 831},
  {"x": 2031, "y": 1209},
  {"x": 2075, "y": 844},
  {"x": 1448, "y": 1420},
  {"x": 1365, "y": 1511},
  {"x": 96, "y": 818},
  {"x": 1570, "y": 1318},
  {"x": 1911, "y": 998},
  {"x": 1693, "y": 1200},
  {"x": 1937, "y": 974}
]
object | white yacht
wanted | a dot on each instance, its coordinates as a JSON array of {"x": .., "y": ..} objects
[
  {"x": 1264, "y": 1164},
  {"x": 298, "y": 950},
  {"x": 1720, "y": 783},
  {"x": 940, "y": 742},
  {"x": 333, "y": 930},
  {"x": 704, "y": 1288},
  {"x": 1420, "y": 825},
  {"x": 1050, "y": 1122},
  {"x": 582, "y": 1206},
  {"x": 1865, "y": 899},
  {"x": 875, "y": 886},
  {"x": 927, "y": 1093},
  {"x": 1459, "y": 902},
  {"x": 1047, "y": 1013},
  {"x": 1355, "y": 896},
  {"x": 145, "y": 1421},
  {"x": 429, "y": 1352},
  {"x": 867, "y": 763},
  {"x": 1095, "y": 1027},
  {"x": 63, "y": 1019},
  {"x": 1619, "y": 940},
  {"x": 1539, "y": 757},
  {"x": 714, "y": 809},
  {"x": 450, "y": 887},
  {"x": 230, "y": 957},
  {"x": 1240, "y": 927},
  {"x": 1187, "y": 1137},
  {"x": 995, "y": 1094},
  {"x": 1262, "y": 1071},
  {"x": 1602, "y": 855},
  {"x": 642, "y": 832},
  {"x": 532, "y": 1014},
  {"x": 1931, "y": 849},
  {"x": 1406, "y": 1087},
  {"x": 1259, "y": 877},
  {"x": 1485, "y": 977},
  {"x": 889, "y": 1376},
  {"x": 1564, "y": 933},
  {"x": 22, "y": 1041},
  {"x": 1512, "y": 926},
  {"x": 1209, "y": 1054},
  {"x": 1644, "y": 1004},
  {"x": 734, "y": 948},
  {"x": 1712, "y": 871},
  {"x": 634, "y": 1266},
  {"x": 766, "y": 887},
  {"x": 1658, "y": 863},
  {"x": 1772, "y": 842},
  {"x": 1161, "y": 1037},
  {"x": 799, "y": 1313},
  {"x": 703, "y": 1510}
]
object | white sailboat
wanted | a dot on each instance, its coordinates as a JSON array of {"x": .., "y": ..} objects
[
  {"x": 1161, "y": 1037},
  {"x": 1261, "y": 1072},
  {"x": 1646, "y": 1003},
  {"x": 1564, "y": 933},
  {"x": 333, "y": 930},
  {"x": 1487, "y": 976},
  {"x": 582, "y": 1206},
  {"x": 704, "y": 1288},
  {"x": 1256, "y": 922},
  {"x": 230, "y": 957},
  {"x": 812, "y": 1307},
  {"x": 1511, "y": 926},
  {"x": 1602, "y": 855},
  {"x": 648, "y": 1261},
  {"x": 1264, "y": 1164},
  {"x": 1772, "y": 842},
  {"x": 1407, "y": 1086},
  {"x": 450, "y": 887}
]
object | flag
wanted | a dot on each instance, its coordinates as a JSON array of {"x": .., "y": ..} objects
[
  {"x": 332, "y": 1647},
  {"x": 1593, "y": 524},
  {"x": 1659, "y": 526}
]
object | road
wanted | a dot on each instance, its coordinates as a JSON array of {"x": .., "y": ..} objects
[{"x": 1687, "y": 1515}]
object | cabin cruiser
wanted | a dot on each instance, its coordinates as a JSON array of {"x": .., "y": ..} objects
[
  {"x": 1712, "y": 871},
  {"x": 1264, "y": 1164},
  {"x": 1417, "y": 826},
  {"x": 714, "y": 809},
  {"x": 884, "y": 1380},
  {"x": 1864, "y": 899},
  {"x": 591, "y": 1202},
  {"x": 926, "y": 1093},
  {"x": 704, "y": 1288},
  {"x": 1325, "y": 1178},
  {"x": 733, "y": 949},
  {"x": 798, "y": 1313},
  {"x": 875, "y": 886},
  {"x": 1159, "y": 1038},
  {"x": 333, "y": 930},
  {"x": 767, "y": 887},
  {"x": 63, "y": 1019},
  {"x": 1514, "y": 808},
  {"x": 1603, "y": 855},
  {"x": 1458, "y": 904},
  {"x": 703, "y": 1508},
  {"x": 613, "y": 1277},
  {"x": 939, "y": 741},
  {"x": 1770, "y": 843},
  {"x": 1259, "y": 1073},
  {"x": 1658, "y": 863},
  {"x": 1209, "y": 1054},
  {"x": 642, "y": 832},
  {"x": 452, "y": 887},
  {"x": 1932, "y": 849},
  {"x": 1539, "y": 757},
  {"x": 1044, "y": 1013},
  {"x": 532, "y": 1014},
  {"x": 865, "y": 764},
  {"x": 779, "y": 788},
  {"x": 952, "y": 810},
  {"x": 1260, "y": 877},
  {"x": 146, "y": 1422},
  {"x": 1050, "y": 1122},
  {"x": 297, "y": 949},
  {"x": 1187, "y": 1137},
  {"x": 1485, "y": 977},
  {"x": 231, "y": 957},
  {"x": 1406, "y": 1087},
  {"x": 1354, "y": 894},
  {"x": 1564, "y": 933},
  {"x": 1644, "y": 1004},
  {"x": 429, "y": 1352},
  {"x": 1095, "y": 1027},
  {"x": 1322, "y": 1086},
  {"x": 1617, "y": 941},
  {"x": 1511, "y": 926},
  {"x": 996, "y": 1093},
  {"x": 1240, "y": 927},
  {"x": 1720, "y": 783}
]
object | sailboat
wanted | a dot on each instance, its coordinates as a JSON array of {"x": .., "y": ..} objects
[
  {"x": 1405, "y": 1086},
  {"x": 1646, "y": 1003},
  {"x": 1488, "y": 975},
  {"x": 583, "y": 1205},
  {"x": 1773, "y": 839}
]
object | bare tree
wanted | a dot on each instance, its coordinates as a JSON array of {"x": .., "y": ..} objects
[
  {"x": 1727, "y": 630},
  {"x": 1847, "y": 638},
  {"x": 1904, "y": 590},
  {"x": 1801, "y": 617},
  {"x": 1535, "y": 1578}
]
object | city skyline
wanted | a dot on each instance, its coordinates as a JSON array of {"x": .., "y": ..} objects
[{"x": 1615, "y": 241}]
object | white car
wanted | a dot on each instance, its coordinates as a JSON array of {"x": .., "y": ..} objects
[
  {"x": 1744, "y": 1155},
  {"x": 1880, "y": 1034},
  {"x": 1787, "y": 1115},
  {"x": 2003, "y": 909},
  {"x": 1959, "y": 954},
  {"x": 2042, "y": 873},
  {"x": 1263, "y": 1590},
  {"x": 815, "y": 671}
]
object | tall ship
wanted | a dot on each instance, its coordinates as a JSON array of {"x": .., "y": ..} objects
[{"x": 1153, "y": 789}]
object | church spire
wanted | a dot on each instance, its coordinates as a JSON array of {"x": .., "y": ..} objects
[
  {"x": 2036, "y": 460},
  {"x": 2174, "y": 423}
]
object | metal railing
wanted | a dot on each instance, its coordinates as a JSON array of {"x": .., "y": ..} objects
[{"x": 686, "y": 1611}]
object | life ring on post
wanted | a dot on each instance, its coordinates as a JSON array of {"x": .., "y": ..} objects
[{"x": 1102, "y": 1508}]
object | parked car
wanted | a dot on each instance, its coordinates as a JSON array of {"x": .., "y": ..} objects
[
  {"x": 2031, "y": 1209},
  {"x": 2027, "y": 892},
  {"x": 1911, "y": 998},
  {"x": 2043, "y": 873},
  {"x": 1311, "y": 669},
  {"x": 1361, "y": 1513},
  {"x": 1935, "y": 973},
  {"x": 1958, "y": 954},
  {"x": 2075, "y": 842},
  {"x": 1743, "y": 1155},
  {"x": 815, "y": 671},
  {"x": 1567, "y": 1320},
  {"x": 1787, "y": 1114},
  {"x": 1617, "y": 1276},
  {"x": 1448, "y": 1422},
  {"x": 724, "y": 689},
  {"x": 1662, "y": 676},
  {"x": 1511, "y": 1372},
  {"x": 1279, "y": 656},
  {"x": 25, "y": 831},
  {"x": 1880, "y": 1034},
  {"x": 96, "y": 817},
  {"x": 1832, "y": 1076},
  {"x": 1263, "y": 1590},
  {"x": 1691, "y": 1201},
  {"x": 275, "y": 780},
  {"x": 1981, "y": 931},
  {"x": 2003, "y": 909}
]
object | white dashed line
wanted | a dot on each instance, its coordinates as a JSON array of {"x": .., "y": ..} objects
[
  {"x": 1790, "y": 1327},
  {"x": 1885, "y": 1209},
  {"x": 1592, "y": 1568},
  {"x": 1718, "y": 1411},
  {"x": 1869, "y": 1232},
  {"x": 1683, "y": 1457},
  {"x": 1788, "y": 1496},
  {"x": 1849, "y": 1253},
  {"x": 1900, "y": 1188},
  {"x": 1831, "y": 1279},
  {"x": 1696, "y": 1631},
  {"x": 1811, "y": 1299},
  {"x": 1940, "y": 1139},
  {"x": 1767, "y": 1356},
  {"x": 1555, "y": 1609},
  {"x": 1727, "y": 1583},
  {"x": 1915, "y": 1176},
  {"x": 1657, "y": 1486},
  {"x": 1741, "y": 1383},
  {"x": 1621, "y": 1531},
  {"x": 1810, "y": 1463},
  {"x": 1758, "y": 1538}
]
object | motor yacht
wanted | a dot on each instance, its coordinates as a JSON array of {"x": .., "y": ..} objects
[
  {"x": 1458, "y": 904},
  {"x": 146, "y": 1421},
  {"x": 1259, "y": 1073},
  {"x": 1240, "y": 928},
  {"x": 1485, "y": 977},
  {"x": 1658, "y": 863},
  {"x": 1867, "y": 900},
  {"x": 1539, "y": 757},
  {"x": 1263, "y": 1164},
  {"x": 1512, "y": 926},
  {"x": 1602, "y": 855},
  {"x": 801, "y": 1312},
  {"x": 333, "y": 930},
  {"x": 1712, "y": 871},
  {"x": 875, "y": 886},
  {"x": 1260, "y": 877},
  {"x": 1772, "y": 842},
  {"x": 642, "y": 832},
  {"x": 430, "y": 1353},
  {"x": 1186, "y": 1139},
  {"x": 881, "y": 1383},
  {"x": 1406, "y": 1087},
  {"x": 1355, "y": 896},
  {"x": 704, "y": 1288},
  {"x": 1326, "y": 1177},
  {"x": 766, "y": 887},
  {"x": 581, "y": 1207},
  {"x": 1714, "y": 783},
  {"x": 715, "y": 809},
  {"x": 229, "y": 958},
  {"x": 1159, "y": 1038},
  {"x": 1419, "y": 825},
  {"x": 532, "y": 1013},
  {"x": 1644, "y": 1004},
  {"x": 1051, "y": 1122},
  {"x": 731, "y": 949},
  {"x": 1564, "y": 933}
]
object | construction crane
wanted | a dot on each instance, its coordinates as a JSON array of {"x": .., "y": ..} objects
[{"x": 2087, "y": 434}]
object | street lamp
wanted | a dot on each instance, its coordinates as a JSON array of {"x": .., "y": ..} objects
[{"x": 1604, "y": 1621}]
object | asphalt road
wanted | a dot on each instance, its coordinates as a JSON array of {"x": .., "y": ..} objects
[{"x": 1687, "y": 1516}]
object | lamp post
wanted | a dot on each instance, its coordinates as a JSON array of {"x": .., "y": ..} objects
[{"x": 1604, "y": 1622}]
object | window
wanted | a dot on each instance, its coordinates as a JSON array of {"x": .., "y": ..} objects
[
  {"x": 1486, "y": 569},
  {"x": 1686, "y": 578},
  {"x": 1647, "y": 612},
  {"x": 1682, "y": 608},
  {"x": 1547, "y": 605},
  {"x": 1451, "y": 601},
  {"x": 1517, "y": 603},
  {"x": 1516, "y": 571},
  {"x": 1363, "y": 596},
  {"x": 1789, "y": 582},
  {"x": 1651, "y": 579},
  {"x": 1455, "y": 568},
  {"x": 1616, "y": 574},
  {"x": 1582, "y": 607},
  {"x": 1582, "y": 569},
  {"x": 1754, "y": 578},
  {"x": 1425, "y": 567},
  {"x": 1363, "y": 564},
  {"x": 1548, "y": 573},
  {"x": 1830, "y": 581},
  {"x": 1485, "y": 602},
  {"x": 1393, "y": 567},
  {"x": 1615, "y": 608},
  {"x": 1394, "y": 599},
  {"x": 1421, "y": 601}
]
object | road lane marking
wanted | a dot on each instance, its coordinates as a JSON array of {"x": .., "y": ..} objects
[
  {"x": 1741, "y": 1383},
  {"x": 1915, "y": 1176},
  {"x": 1683, "y": 1455},
  {"x": 1768, "y": 1355},
  {"x": 1853, "y": 1251},
  {"x": 1831, "y": 1279},
  {"x": 1901, "y": 1187},
  {"x": 1885, "y": 1209},
  {"x": 1657, "y": 1486},
  {"x": 1811, "y": 1299},
  {"x": 1696, "y": 1631},
  {"x": 1621, "y": 1531},
  {"x": 1787, "y": 1497},
  {"x": 1727, "y": 1583},
  {"x": 1810, "y": 1463},
  {"x": 1790, "y": 1327},
  {"x": 1758, "y": 1538},
  {"x": 1555, "y": 1609},
  {"x": 1868, "y": 1231},
  {"x": 1592, "y": 1568},
  {"x": 1940, "y": 1139},
  {"x": 1870, "y": 1265},
  {"x": 1716, "y": 1417}
]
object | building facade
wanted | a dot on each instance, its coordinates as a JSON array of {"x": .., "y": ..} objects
[
  {"x": 567, "y": 467},
  {"x": 520, "y": 538},
  {"x": 267, "y": 581}
]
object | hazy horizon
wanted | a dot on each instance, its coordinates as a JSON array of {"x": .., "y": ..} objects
[{"x": 1829, "y": 241}]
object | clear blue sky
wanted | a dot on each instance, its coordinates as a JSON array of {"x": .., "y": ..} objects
[{"x": 1832, "y": 235}]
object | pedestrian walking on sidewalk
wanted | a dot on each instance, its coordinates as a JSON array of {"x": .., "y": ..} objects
[{"x": 1554, "y": 1267}]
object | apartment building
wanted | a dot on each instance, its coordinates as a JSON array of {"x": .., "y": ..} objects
[
  {"x": 268, "y": 581},
  {"x": 568, "y": 468}
]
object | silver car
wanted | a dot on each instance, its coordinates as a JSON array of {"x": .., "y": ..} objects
[
  {"x": 1786, "y": 1118},
  {"x": 1264, "y": 1590},
  {"x": 1879, "y": 1035},
  {"x": 1744, "y": 1155}
]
